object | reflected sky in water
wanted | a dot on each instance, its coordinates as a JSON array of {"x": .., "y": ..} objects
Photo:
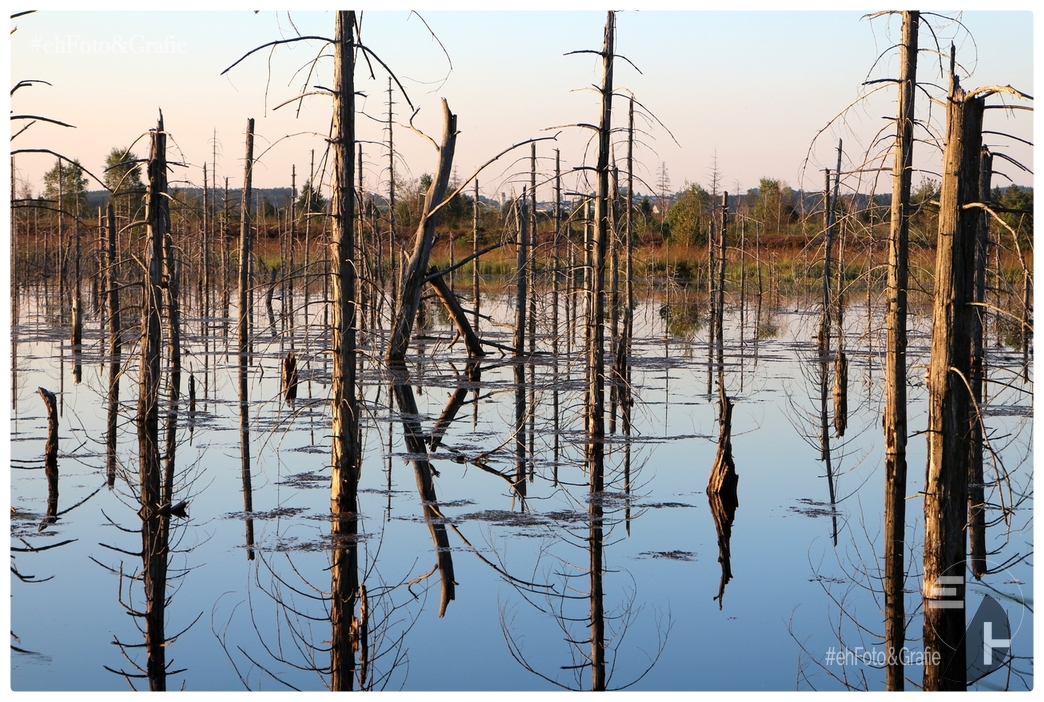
[{"x": 521, "y": 584}]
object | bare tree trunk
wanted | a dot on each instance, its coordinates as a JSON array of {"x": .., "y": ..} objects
[
  {"x": 457, "y": 313},
  {"x": 475, "y": 253},
  {"x": 393, "y": 255},
  {"x": 308, "y": 243},
  {"x": 51, "y": 454},
  {"x": 346, "y": 452},
  {"x": 719, "y": 327},
  {"x": 153, "y": 529},
  {"x": 77, "y": 302},
  {"x": 895, "y": 362},
  {"x": 417, "y": 268},
  {"x": 949, "y": 416},
  {"x": 628, "y": 320},
  {"x": 594, "y": 419},
  {"x": 205, "y": 246},
  {"x": 115, "y": 346},
  {"x": 243, "y": 331},
  {"x": 521, "y": 279},
  {"x": 976, "y": 496}
]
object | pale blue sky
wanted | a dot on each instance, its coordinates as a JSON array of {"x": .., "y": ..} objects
[{"x": 752, "y": 88}]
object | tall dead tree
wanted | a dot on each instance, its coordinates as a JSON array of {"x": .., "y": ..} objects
[
  {"x": 244, "y": 336},
  {"x": 949, "y": 399},
  {"x": 895, "y": 359},
  {"x": 594, "y": 419},
  {"x": 153, "y": 533},
  {"x": 346, "y": 455}
]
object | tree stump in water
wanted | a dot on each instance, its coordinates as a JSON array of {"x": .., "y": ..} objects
[
  {"x": 723, "y": 477},
  {"x": 290, "y": 377},
  {"x": 51, "y": 456},
  {"x": 841, "y": 394}
]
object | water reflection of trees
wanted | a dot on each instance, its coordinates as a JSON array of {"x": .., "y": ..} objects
[{"x": 851, "y": 575}]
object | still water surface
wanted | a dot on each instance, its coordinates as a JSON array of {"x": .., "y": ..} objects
[{"x": 805, "y": 549}]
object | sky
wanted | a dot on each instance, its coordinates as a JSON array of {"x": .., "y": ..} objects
[{"x": 745, "y": 93}]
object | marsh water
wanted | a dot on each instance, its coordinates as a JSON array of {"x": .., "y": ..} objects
[{"x": 488, "y": 587}]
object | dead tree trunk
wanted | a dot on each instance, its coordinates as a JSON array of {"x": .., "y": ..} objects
[
  {"x": 51, "y": 455},
  {"x": 830, "y": 206},
  {"x": 205, "y": 246},
  {"x": 153, "y": 530},
  {"x": 840, "y": 393},
  {"x": 723, "y": 478},
  {"x": 457, "y": 313},
  {"x": 475, "y": 262},
  {"x": 594, "y": 419},
  {"x": 895, "y": 361},
  {"x": 244, "y": 258},
  {"x": 115, "y": 346},
  {"x": 949, "y": 417},
  {"x": 346, "y": 454},
  {"x": 290, "y": 377},
  {"x": 976, "y": 491},
  {"x": 521, "y": 279},
  {"x": 531, "y": 245},
  {"x": 416, "y": 271},
  {"x": 172, "y": 278},
  {"x": 244, "y": 338},
  {"x": 624, "y": 354}
]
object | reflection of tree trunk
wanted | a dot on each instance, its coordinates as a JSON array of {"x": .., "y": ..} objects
[
  {"x": 456, "y": 401},
  {"x": 824, "y": 425},
  {"x": 416, "y": 445},
  {"x": 519, "y": 483},
  {"x": 946, "y": 484},
  {"x": 724, "y": 512},
  {"x": 895, "y": 361},
  {"x": 595, "y": 513}
]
